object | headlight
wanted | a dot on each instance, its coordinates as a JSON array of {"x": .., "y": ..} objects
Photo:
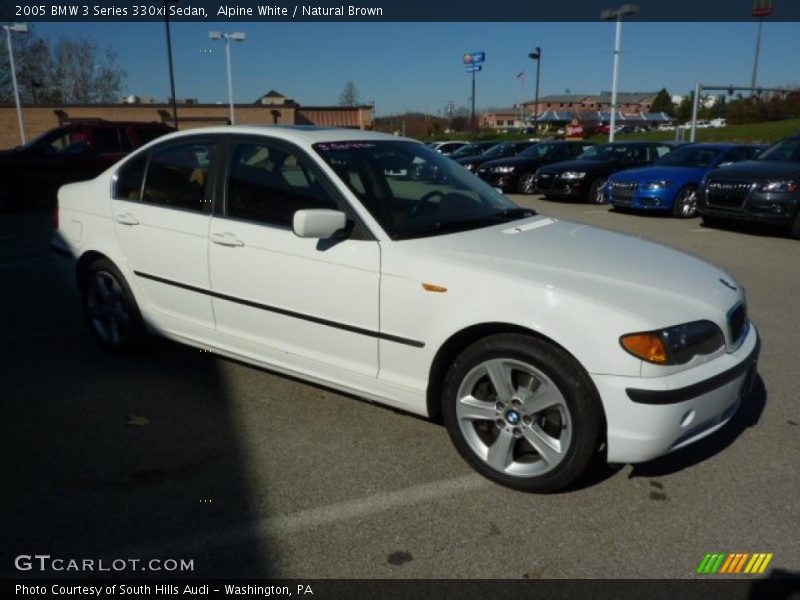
[
  {"x": 573, "y": 175},
  {"x": 674, "y": 345},
  {"x": 780, "y": 186},
  {"x": 502, "y": 169},
  {"x": 657, "y": 185}
]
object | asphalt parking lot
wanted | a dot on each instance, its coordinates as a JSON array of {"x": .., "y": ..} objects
[{"x": 177, "y": 453}]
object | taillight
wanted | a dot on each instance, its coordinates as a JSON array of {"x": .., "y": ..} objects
[{"x": 55, "y": 218}]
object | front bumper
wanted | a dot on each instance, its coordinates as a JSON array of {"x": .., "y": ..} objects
[
  {"x": 656, "y": 200},
  {"x": 763, "y": 207},
  {"x": 648, "y": 417},
  {"x": 504, "y": 181},
  {"x": 552, "y": 185}
]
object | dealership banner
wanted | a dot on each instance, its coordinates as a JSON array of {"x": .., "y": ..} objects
[{"x": 386, "y": 10}]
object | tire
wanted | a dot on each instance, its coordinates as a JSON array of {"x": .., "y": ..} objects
[
  {"x": 542, "y": 432},
  {"x": 596, "y": 191},
  {"x": 794, "y": 231},
  {"x": 685, "y": 204},
  {"x": 526, "y": 184},
  {"x": 110, "y": 308}
]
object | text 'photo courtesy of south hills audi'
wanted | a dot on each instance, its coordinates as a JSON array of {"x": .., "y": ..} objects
[{"x": 372, "y": 264}]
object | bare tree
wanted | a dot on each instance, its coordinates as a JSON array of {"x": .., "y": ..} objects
[
  {"x": 33, "y": 66},
  {"x": 83, "y": 73},
  {"x": 349, "y": 95}
]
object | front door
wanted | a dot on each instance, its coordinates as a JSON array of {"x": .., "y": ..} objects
[{"x": 314, "y": 300}]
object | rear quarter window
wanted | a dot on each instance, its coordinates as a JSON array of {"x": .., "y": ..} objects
[{"x": 128, "y": 182}]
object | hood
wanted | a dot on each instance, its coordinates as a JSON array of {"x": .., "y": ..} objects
[
  {"x": 660, "y": 285},
  {"x": 654, "y": 173},
  {"x": 513, "y": 161},
  {"x": 758, "y": 170},
  {"x": 581, "y": 165}
]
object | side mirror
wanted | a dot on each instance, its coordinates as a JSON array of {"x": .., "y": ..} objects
[{"x": 319, "y": 223}]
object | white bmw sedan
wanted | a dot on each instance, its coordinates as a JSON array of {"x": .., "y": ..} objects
[{"x": 372, "y": 264}]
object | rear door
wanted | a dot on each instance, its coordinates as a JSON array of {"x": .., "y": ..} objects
[{"x": 161, "y": 208}]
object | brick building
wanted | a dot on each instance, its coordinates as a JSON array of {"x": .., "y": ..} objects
[
  {"x": 40, "y": 118},
  {"x": 628, "y": 102}
]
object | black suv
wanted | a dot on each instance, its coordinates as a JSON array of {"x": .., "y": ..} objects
[
  {"x": 516, "y": 174},
  {"x": 73, "y": 152},
  {"x": 765, "y": 190}
]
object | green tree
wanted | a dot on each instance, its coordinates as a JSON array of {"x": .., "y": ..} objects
[{"x": 663, "y": 103}]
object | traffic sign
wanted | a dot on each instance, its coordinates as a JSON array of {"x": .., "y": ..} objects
[{"x": 472, "y": 68}]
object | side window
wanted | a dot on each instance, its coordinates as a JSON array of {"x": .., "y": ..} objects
[
  {"x": 661, "y": 151},
  {"x": 268, "y": 184},
  {"x": 736, "y": 154},
  {"x": 106, "y": 141},
  {"x": 177, "y": 176},
  {"x": 128, "y": 183}
]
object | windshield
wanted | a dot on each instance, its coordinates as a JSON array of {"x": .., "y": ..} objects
[
  {"x": 413, "y": 191},
  {"x": 610, "y": 152},
  {"x": 785, "y": 151},
  {"x": 688, "y": 156},
  {"x": 469, "y": 150},
  {"x": 499, "y": 151},
  {"x": 538, "y": 150}
]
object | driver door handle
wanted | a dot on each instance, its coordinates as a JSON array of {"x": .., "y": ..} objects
[
  {"x": 226, "y": 239},
  {"x": 126, "y": 219}
]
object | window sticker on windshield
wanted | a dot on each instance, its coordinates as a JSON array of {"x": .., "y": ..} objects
[{"x": 344, "y": 146}]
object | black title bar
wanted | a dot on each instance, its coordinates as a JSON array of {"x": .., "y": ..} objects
[{"x": 214, "y": 11}]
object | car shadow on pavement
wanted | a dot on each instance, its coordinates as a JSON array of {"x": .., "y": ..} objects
[
  {"x": 113, "y": 457},
  {"x": 749, "y": 228},
  {"x": 778, "y": 585},
  {"x": 747, "y": 416}
]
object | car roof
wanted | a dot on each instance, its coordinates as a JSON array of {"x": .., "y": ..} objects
[{"x": 297, "y": 133}]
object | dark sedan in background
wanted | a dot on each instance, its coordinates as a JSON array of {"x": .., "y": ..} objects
[
  {"x": 765, "y": 190},
  {"x": 74, "y": 152},
  {"x": 516, "y": 174},
  {"x": 501, "y": 150},
  {"x": 474, "y": 149},
  {"x": 584, "y": 177}
]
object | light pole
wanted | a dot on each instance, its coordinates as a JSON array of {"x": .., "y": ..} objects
[
  {"x": 169, "y": 58},
  {"x": 609, "y": 15},
  {"x": 537, "y": 56},
  {"x": 238, "y": 37},
  {"x": 15, "y": 28}
]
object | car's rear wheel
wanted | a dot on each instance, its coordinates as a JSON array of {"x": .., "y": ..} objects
[
  {"x": 596, "y": 191},
  {"x": 526, "y": 183},
  {"x": 110, "y": 308},
  {"x": 522, "y": 412},
  {"x": 685, "y": 204}
]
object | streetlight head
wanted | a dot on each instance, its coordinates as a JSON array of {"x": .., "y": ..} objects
[
  {"x": 628, "y": 9},
  {"x": 19, "y": 27},
  {"x": 535, "y": 55},
  {"x": 608, "y": 15},
  {"x": 237, "y": 36},
  {"x": 215, "y": 35}
]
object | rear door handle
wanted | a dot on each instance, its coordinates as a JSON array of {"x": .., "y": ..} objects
[
  {"x": 226, "y": 239},
  {"x": 126, "y": 219}
]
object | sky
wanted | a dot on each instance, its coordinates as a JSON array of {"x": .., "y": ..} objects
[{"x": 417, "y": 66}]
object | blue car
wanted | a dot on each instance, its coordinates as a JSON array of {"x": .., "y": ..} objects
[{"x": 670, "y": 184}]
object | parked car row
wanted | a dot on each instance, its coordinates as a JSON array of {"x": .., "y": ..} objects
[{"x": 718, "y": 181}]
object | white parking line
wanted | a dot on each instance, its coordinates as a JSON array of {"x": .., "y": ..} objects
[
  {"x": 284, "y": 525},
  {"x": 704, "y": 230}
]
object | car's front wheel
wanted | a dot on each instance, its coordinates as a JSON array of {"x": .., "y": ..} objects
[
  {"x": 111, "y": 309},
  {"x": 685, "y": 204},
  {"x": 526, "y": 183},
  {"x": 596, "y": 191},
  {"x": 522, "y": 412}
]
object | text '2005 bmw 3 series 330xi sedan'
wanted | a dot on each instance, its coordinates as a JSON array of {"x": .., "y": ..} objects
[{"x": 374, "y": 265}]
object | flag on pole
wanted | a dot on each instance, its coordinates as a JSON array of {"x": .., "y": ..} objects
[{"x": 521, "y": 75}]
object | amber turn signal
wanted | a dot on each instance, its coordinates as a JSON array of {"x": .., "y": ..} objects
[{"x": 647, "y": 346}]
